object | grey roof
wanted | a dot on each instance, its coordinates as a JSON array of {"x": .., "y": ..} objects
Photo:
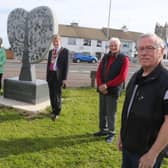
[
  {"x": 81, "y": 32},
  {"x": 95, "y": 33},
  {"x": 124, "y": 35}
]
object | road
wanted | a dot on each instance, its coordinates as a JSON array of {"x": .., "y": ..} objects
[{"x": 79, "y": 73}]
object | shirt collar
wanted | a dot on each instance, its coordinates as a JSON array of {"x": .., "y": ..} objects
[{"x": 57, "y": 49}]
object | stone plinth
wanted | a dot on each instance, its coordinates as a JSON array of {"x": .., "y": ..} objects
[{"x": 27, "y": 91}]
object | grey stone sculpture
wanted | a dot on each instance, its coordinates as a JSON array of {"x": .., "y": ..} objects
[{"x": 30, "y": 35}]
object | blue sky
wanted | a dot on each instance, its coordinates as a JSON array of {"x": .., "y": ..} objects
[{"x": 139, "y": 16}]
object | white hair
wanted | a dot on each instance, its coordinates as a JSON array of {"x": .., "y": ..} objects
[
  {"x": 158, "y": 41},
  {"x": 117, "y": 40}
]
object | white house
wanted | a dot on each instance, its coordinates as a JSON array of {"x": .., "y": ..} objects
[{"x": 94, "y": 41}]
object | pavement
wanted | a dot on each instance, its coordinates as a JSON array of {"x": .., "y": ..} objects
[
  {"x": 34, "y": 108},
  {"x": 37, "y": 108},
  {"x": 24, "y": 107},
  {"x": 15, "y": 60}
]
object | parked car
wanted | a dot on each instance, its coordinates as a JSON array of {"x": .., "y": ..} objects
[{"x": 78, "y": 57}]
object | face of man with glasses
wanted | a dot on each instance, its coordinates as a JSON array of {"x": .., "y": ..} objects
[{"x": 149, "y": 52}]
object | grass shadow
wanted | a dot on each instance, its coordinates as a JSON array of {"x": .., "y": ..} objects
[
  {"x": 10, "y": 117},
  {"x": 5, "y": 115},
  {"x": 25, "y": 145}
]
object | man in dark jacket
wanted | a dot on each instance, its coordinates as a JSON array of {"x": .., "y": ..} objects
[
  {"x": 112, "y": 72},
  {"x": 57, "y": 70},
  {"x": 144, "y": 124}
]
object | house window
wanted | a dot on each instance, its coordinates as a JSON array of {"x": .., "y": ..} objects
[
  {"x": 125, "y": 45},
  {"x": 99, "y": 43},
  {"x": 86, "y": 53},
  {"x": 86, "y": 42},
  {"x": 98, "y": 55},
  {"x": 71, "y": 41}
]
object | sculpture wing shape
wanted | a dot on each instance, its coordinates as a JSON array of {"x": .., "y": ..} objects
[{"x": 30, "y": 33}]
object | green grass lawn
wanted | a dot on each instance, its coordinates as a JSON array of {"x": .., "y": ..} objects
[{"x": 67, "y": 143}]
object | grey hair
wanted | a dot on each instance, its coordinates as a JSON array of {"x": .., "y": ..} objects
[
  {"x": 158, "y": 41},
  {"x": 115, "y": 39},
  {"x": 57, "y": 36}
]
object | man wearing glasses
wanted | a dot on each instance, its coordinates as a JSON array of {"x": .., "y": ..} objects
[{"x": 144, "y": 122}]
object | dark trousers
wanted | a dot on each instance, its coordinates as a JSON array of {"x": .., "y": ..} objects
[
  {"x": 130, "y": 160},
  {"x": 107, "y": 112},
  {"x": 1, "y": 81},
  {"x": 55, "y": 93}
]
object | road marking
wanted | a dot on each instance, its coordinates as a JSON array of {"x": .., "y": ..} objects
[{"x": 79, "y": 71}]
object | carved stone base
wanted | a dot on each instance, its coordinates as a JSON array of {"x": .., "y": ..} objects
[{"x": 27, "y": 91}]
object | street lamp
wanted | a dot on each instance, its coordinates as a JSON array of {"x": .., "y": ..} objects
[
  {"x": 108, "y": 24},
  {"x": 108, "y": 27}
]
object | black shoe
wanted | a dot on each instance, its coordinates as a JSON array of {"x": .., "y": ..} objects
[
  {"x": 100, "y": 133},
  {"x": 110, "y": 138},
  {"x": 54, "y": 117}
]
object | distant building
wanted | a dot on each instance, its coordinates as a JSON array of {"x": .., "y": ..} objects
[
  {"x": 94, "y": 41},
  {"x": 162, "y": 32}
]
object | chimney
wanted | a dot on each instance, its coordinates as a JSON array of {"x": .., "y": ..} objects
[
  {"x": 124, "y": 28},
  {"x": 74, "y": 24}
]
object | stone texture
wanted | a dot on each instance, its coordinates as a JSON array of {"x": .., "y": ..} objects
[
  {"x": 30, "y": 92},
  {"x": 30, "y": 35},
  {"x": 30, "y": 32}
]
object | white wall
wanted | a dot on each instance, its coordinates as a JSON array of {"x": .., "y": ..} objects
[{"x": 128, "y": 47}]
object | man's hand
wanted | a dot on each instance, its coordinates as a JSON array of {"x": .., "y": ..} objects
[
  {"x": 103, "y": 89},
  {"x": 147, "y": 160},
  {"x": 64, "y": 84},
  {"x": 119, "y": 143}
]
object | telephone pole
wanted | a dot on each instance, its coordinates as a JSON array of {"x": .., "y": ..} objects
[{"x": 108, "y": 24}]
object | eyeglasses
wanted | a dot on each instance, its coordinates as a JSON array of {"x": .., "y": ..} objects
[{"x": 147, "y": 49}]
